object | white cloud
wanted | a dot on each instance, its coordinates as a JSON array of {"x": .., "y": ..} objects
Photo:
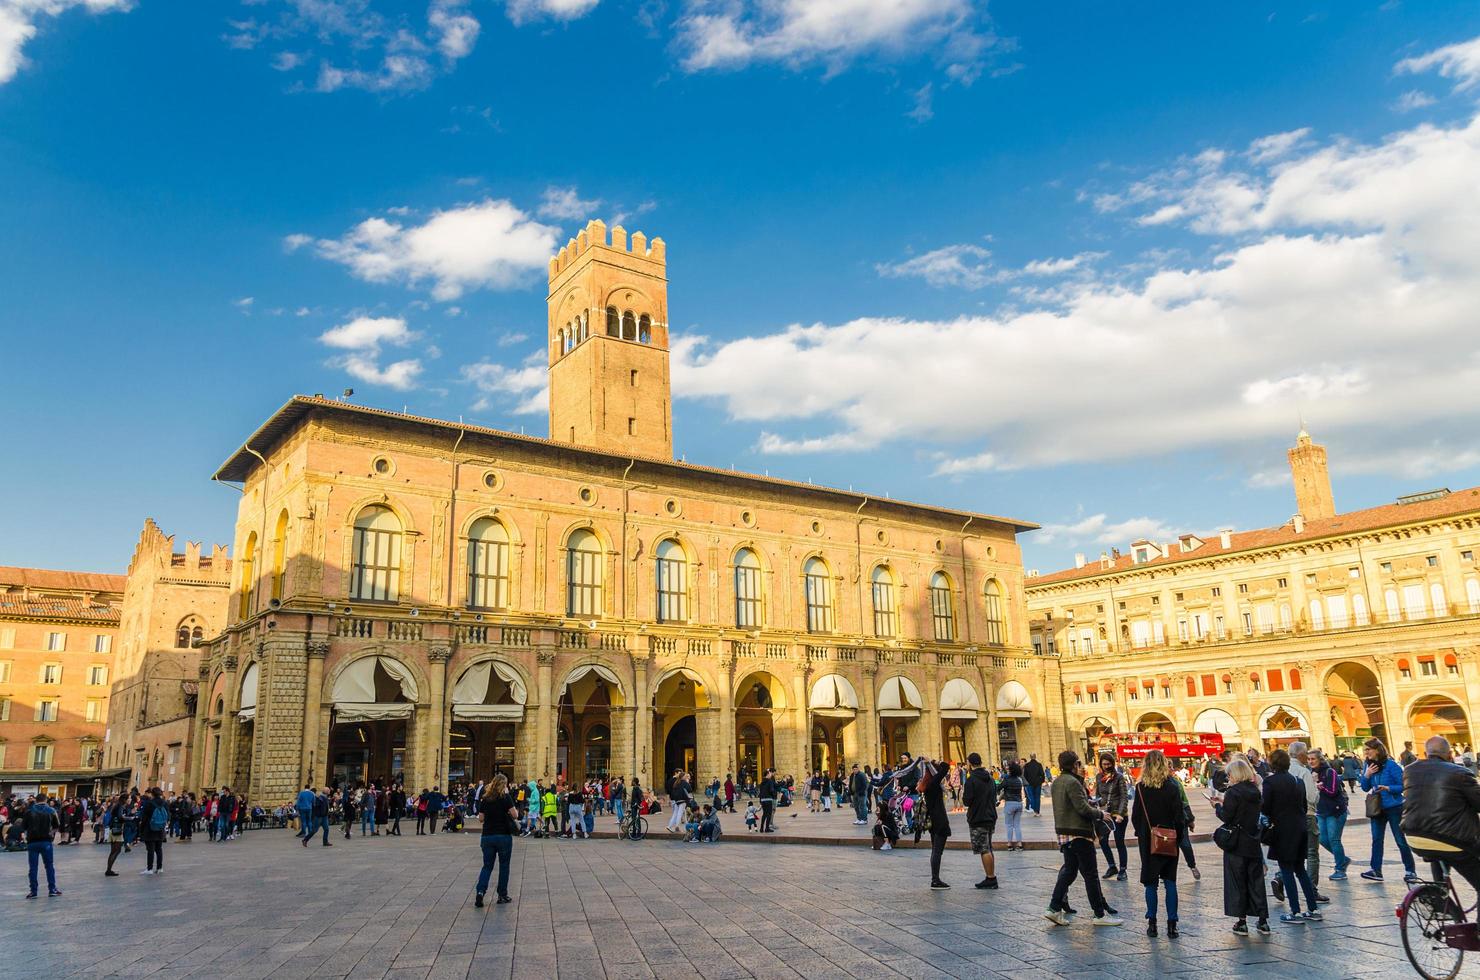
[
  {"x": 1413, "y": 99},
  {"x": 1460, "y": 62},
  {"x": 512, "y": 339},
  {"x": 734, "y": 33},
  {"x": 18, "y": 25},
  {"x": 1267, "y": 149},
  {"x": 524, "y": 11},
  {"x": 487, "y": 245},
  {"x": 960, "y": 466},
  {"x": 454, "y": 30},
  {"x": 1099, "y": 529},
  {"x": 367, "y": 333},
  {"x": 528, "y": 384},
  {"x": 1059, "y": 267},
  {"x": 967, "y": 266},
  {"x": 564, "y": 204},
  {"x": 400, "y": 375},
  {"x": 776, "y": 445},
  {"x": 244, "y": 304},
  {"x": 923, "y": 109},
  {"x": 1343, "y": 282}
]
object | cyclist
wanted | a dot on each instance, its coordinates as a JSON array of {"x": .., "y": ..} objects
[{"x": 1441, "y": 815}]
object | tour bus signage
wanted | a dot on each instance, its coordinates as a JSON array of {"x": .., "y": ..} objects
[{"x": 1138, "y": 745}]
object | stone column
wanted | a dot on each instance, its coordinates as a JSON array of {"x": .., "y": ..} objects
[
  {"x": 642, "y": 751},
  {"x": 1244, "y": 713},
  {"x": 868, "y": 717},
  {"x": 226, "y": 764},
  {"x": 310, "y": 763},
  {"x": 933, "y": 738},
  {"x": 1393, "y": 719},
  {"x": 1120, "y": 717},
  {"x": 724, "y": 760},
  {"x": 438, "y": 743},
  {"x": 1317, "y": 709},
  {"x": 707, "y": 749},
  {"x": 989, "y": 705},
  {"x": 801, "y": 763},
  {"x": 623, "y": 762},
  {"x": 545, "y": 712},
  {"x": 200, "y": 748}
]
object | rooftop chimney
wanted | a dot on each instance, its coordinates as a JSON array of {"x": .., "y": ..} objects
[
  {"x": 1079, "y": 559},
  {"x": 1299, "y": 523},
  {"x": 1225, "y": 537}
]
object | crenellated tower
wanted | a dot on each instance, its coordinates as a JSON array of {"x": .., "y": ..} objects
[
  {"x": 608, "y": 342},
  {"x": 1313, "y": 499}
]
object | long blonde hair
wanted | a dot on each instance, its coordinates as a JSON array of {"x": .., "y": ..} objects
[
  {"x": 500, "y": 784},
  {"x": 1154, "y": 770}
]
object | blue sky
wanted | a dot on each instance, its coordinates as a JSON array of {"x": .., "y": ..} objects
[{"x": 1071, "y": 263}]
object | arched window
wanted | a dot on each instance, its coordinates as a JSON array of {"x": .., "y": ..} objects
[
  {"x": 885, "y": 619},
  {"x": 673, "y": 583},
  {"x": 488, "y": 565},
  {"x": 818, "y": 591},
  {"x": 248, "y": 562},
  {"x": 613, "y": 322},
  {"x": 629, "y": 326},
  {"x": 279, "y": 554},
  {"x": 942, "y": 613},
  {"x": 196, "y": 635},
  {"x": 182, "y": 637},
  {"x": 644, "y": 329},
  {"x": 584, "y": 329},
  {"x": 996, "y": 622},
  {"x": 375, "y": 570},
  {"x": 583, "y": 574},
  {"x": 955, "y": 743},
  {"x": 747, "y": 590}
]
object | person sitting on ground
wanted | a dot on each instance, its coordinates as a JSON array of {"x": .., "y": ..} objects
[
  {"x": 886, "y": 831},
  {"x": 708, "y": 832}
]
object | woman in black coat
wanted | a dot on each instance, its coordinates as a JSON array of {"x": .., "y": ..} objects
[
  {"x": 1284, "y": 805},
  {"x": 1157, "y": 803},
  {"x": 934, "y": 773},
  {"x": 1243, "y": 865}
]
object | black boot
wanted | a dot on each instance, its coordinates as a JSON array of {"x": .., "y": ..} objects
[
  {"x": 1172, "y": 932},
  {"x": 1151, "y": 927}
]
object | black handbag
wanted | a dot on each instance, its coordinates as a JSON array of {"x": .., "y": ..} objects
[
  {"x": 1226, "y": 837},
  {"x": 1266, "y": 835},
  {"x": 1374, "y": 805}
]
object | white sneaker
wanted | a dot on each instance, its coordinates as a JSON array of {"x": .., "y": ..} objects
[
  {"x": 1108, "y": 920},
  {"x": 1056, "y": 917},
  {"x": 146, "y": 872},
  {"x": 886, "y": 846}
]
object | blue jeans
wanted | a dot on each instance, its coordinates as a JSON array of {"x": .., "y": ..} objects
[
  {"x": 1331, "y": 828},
  {"x": 223, "y": 828},
  {"x": 42, "y": 851},
  {"x": 1171, "y": 887},
  {"x": 618, "y": 808},
  {"x": 305, "y": 822},
  {"x": 496, "y": 848},
  {"x": 367, "y": 818},
  {"x": 1035, "y": 797},
  {"x": 1292, "y": 875},
  {"x": 1390, "y": 818}
]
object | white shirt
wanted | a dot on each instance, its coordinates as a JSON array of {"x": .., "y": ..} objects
[{"x": 1308, "y": 778}]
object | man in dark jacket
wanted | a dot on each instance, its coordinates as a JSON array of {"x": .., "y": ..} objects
[
  {"x": 1074, "y": 820},
  {"x": 767, "y": 794},
  {"x": 858, "y": 793},
  {"x": 980, "y": 796},
  {"x": 1441, "y": 810},
  {"x": 1033, "y": 775},
  {"x": 41, "y": 822}
]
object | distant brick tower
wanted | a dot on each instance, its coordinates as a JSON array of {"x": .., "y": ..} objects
[
  {"x": 1313, "y": 498},
  {"x": 608, "y": 337}
]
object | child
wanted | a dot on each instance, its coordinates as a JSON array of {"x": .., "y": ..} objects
[
  {"x": 886, "y": 831},
  {"x": 907, "y": 810},
  {"x": 752, "y": 816}
]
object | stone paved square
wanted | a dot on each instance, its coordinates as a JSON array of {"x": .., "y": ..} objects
[{"x": 370, "y": 908}]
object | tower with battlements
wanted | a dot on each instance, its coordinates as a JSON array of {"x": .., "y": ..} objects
[{"x": 608, "y": 343}]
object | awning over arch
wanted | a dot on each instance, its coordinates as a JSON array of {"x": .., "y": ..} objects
[
  {"x": 833, "y": 695},
  {"x": 600, "y": 670},
  {"x": 1302, "y": 729},
  {"x": 1013, "y": 701},
  {"x": 247, "y": 707},
  {"x": 470, "y": 694},
  {"x": 958, "y": 699},
  {"x": 900, "y": 698},
  {"x": 1217, "y": 721},
  {"x": 354, "y": 691}
]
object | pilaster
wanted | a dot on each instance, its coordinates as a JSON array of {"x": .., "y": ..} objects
[{"x": 316, "y": 651}]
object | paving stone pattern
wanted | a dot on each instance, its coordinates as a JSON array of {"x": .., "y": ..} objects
[{"x": 403, "y": 908}]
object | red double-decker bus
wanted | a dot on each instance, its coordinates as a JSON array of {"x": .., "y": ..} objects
[{"x": 1134, "y": 746}]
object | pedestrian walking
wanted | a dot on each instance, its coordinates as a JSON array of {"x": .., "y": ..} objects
[
  {"x": 1284, "y": 810},
  {"x": 1331, "y": 812},
  {"x": 41, "y": 822},
  {"x": 1074, "y": 818},
  {"x": 500, "y": 818},
  {"x": 980, "y": 796},
  {"x": 1157, "y": 815},
  {"x": 113, "y": 816},
  {"x": 435, "y": 803},
  {"x": 154, "y": 821},
  {"x": 678, "y": 796},
  {"x": 1110, "y": 796},
  {"x": 304, "y": 805},
  {"x": 767, "y": 794},
  {"x": 1384, "y": 778},
  {"x": 319, "y": 818},
  {"x": 1302, "y": 769},
  {"x": 1033, "y": 776},
  {"x": 1238, "y": 838},
  {"x": 576, "y": 803},
  {"x": 1012, "y": 805}
]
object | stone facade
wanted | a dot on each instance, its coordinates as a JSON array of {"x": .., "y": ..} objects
[
  {"x": 436, "y": 600},
  {"x": 1332, "y": 627},
  {"x": 172, "y": 602},
  {"x": 58, "y": 641}
]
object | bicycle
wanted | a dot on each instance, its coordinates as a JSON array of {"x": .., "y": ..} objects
[
  {"x": 1435, "y": 927},
  {"x": 634, "y": 828}
]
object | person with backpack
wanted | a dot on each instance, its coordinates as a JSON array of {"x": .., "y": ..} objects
[
  {"x": 113, "y": 817},
  {"x": 41, "y": 823},
  {"x": 154, "y": 822},
  {"x": 1331, "y": 812}
]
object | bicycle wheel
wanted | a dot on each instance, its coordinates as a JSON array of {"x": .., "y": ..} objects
[
  {"x": 1424, "y": 913},
  {"x": 638, "y": 830}
]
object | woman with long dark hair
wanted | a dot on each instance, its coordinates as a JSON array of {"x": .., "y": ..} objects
[
  {"x": 1284, "y": 805},
  {"x": 1384, "y": 777}
]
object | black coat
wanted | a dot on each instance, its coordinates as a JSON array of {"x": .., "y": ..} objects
[
  {"x": 980, "y": 796},
  {"x": 1284, "y": 805},
  {"x": 935, "y": 803},
  {"x": 1159, "y": 807},
  {"x": 1440, "y": 800},
  {"x": 1243, "y": 867},
  {"x": 1033, "y": 773}
]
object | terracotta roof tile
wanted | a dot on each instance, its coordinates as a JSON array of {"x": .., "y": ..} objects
[
  {"x": 47, "y": 578},
  {"x": 1387, "y": 515},
  {"x": 14, "y": 604}
]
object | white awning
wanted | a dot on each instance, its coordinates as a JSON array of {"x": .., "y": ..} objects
[
  {"x": 1013, "y": 701},
  {"x": 489, "y": 712},
  {"x": 601, "y": 671},
  {"x": 900, "y": 698},
  {"x": 372, "y": 712},
  {"x": 1216, "y": 721},
  {"x": 833, "y": 693},
  {"x": 472, "y": 687},
  {"x": 247, "y": 707},
  {"x": 958, "y": 699},
  {"x": 354, "y": 691}
]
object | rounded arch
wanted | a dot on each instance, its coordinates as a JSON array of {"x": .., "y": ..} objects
[
  {"x": 1283, "y": 721},
  {"x": 762, "y": 559},
  {"x": 1216, "y": 721},
  {"x": 627, "y": 296},
  {"x": 1438, "y": 714},
  {"x": 590, "y": 527},
  {"x": 1096, "y": 725},
  {"x": 412, "y": 669},
  {"x": 680, "y": 689},
  {"x": 833, "y": 692},
  {"x": 959, "y": 698},
  {"x": 899, "y": 696},
  {"x": 490, "y": 688},
  {"x": 775, "y": 690},
  {"x": 216, "y": 706},
  {"x": 588, "y": 673},
  {"x": 1013, "y": 701},
  {"x": 1155, "y": 721},
  {"x": 356, "y": 507},
  {"x": 494, "y": 513}
]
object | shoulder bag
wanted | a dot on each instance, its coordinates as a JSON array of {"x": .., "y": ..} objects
[{"x": 1163, "y": 839}]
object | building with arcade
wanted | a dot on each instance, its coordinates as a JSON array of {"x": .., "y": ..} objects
[{"x": 433, "y": 601}]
